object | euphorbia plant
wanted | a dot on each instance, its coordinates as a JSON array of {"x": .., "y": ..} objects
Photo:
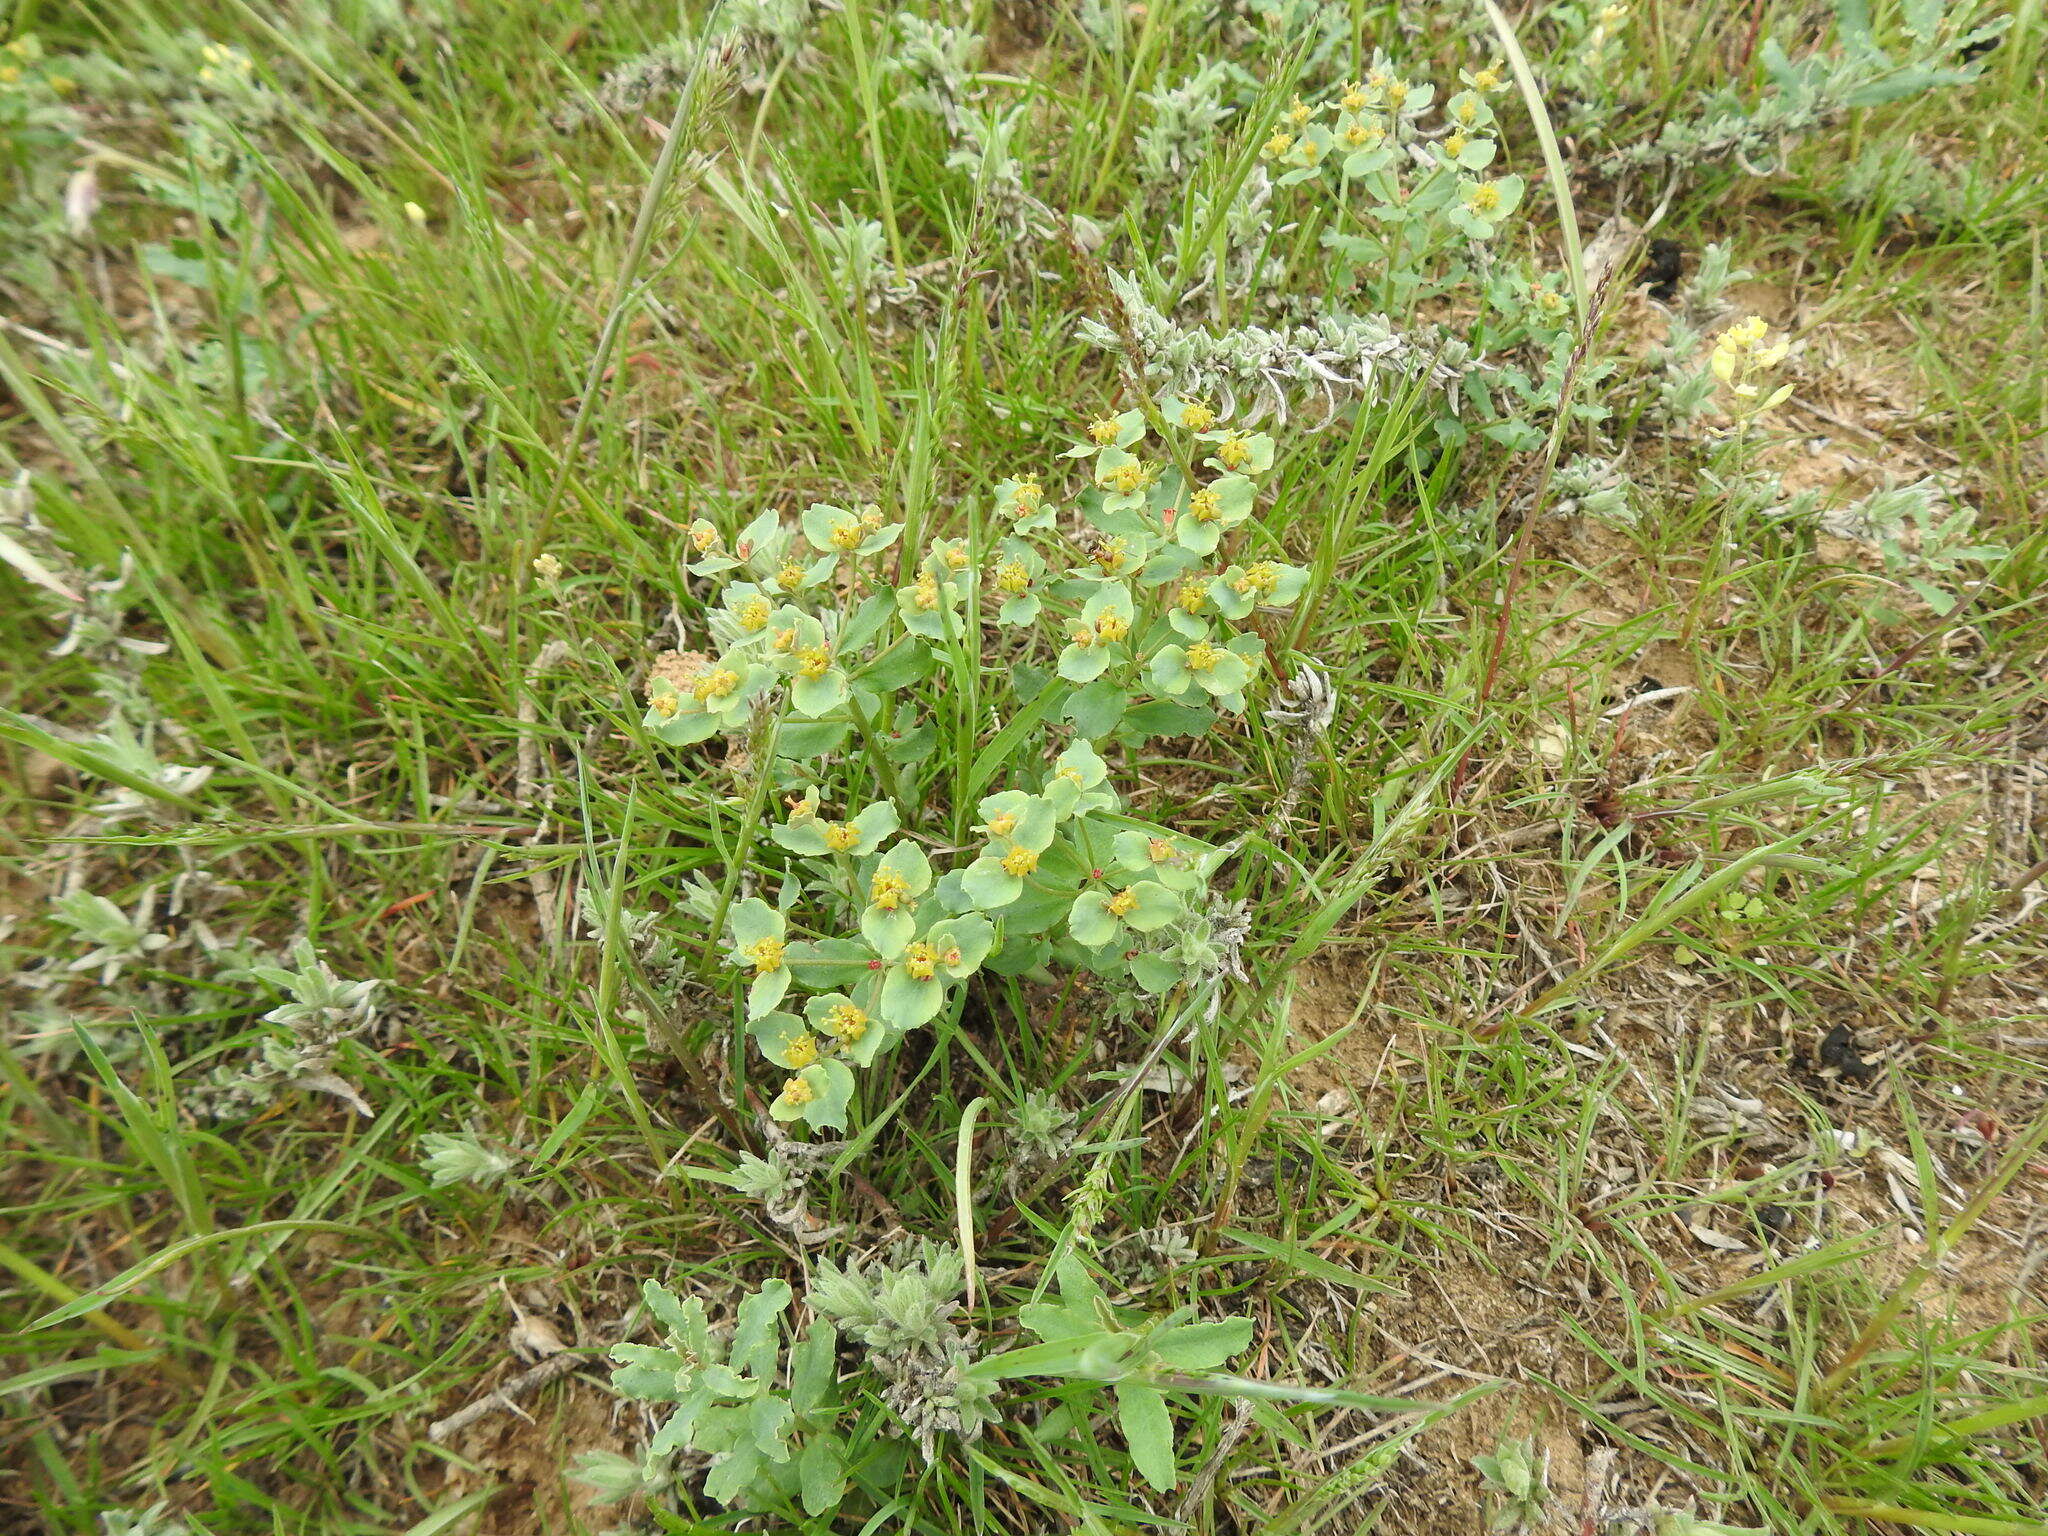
[{"x": 908, "y": 872}]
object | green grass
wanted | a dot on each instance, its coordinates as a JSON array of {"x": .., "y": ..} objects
[{"x": 333, "y": 439}]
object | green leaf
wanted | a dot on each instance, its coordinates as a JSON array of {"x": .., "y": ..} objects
[
  {"x": 989, "y": 885},
  {"x": 1083, "y": 664},
  {"x": 1097, "y": 709},
  {"x": 814, "y": 1368},
  {"x": 1148, "y": 1431},
  {"x": 1203, "y": 1346},
  {"x": 800, "y": 740},
  {"x": 821, "y": 1473},
  {"x": 1165, "y": 717},
  {"x": 1155, "y": 973},
  {"x": 888, "y": 931},
  {"x": 814, "y": 696},
  {"x": 769, "y": 1419},
  {"x": 731, "y": 1477},
  {"x": 1089, "y": 920},
  {"x": 756, "y": 1347}
]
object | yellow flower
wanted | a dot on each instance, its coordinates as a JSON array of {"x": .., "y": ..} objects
[
  {"x": 766, "y": 955},
  {"x": 802, "y": 1051},
  {"x": 703, "y": 537},
  {"x": 1744, "y": 353},
  {"x": 1123, "y": 903},
  {"x": 1002, "y": 824},
  {"x": 754, "y": 614},
  {"x": 1202, "y": 656},
  {"x": 1103, "y": 430},
  {"x": 1261, "y": 578},
  {"x": 1192, "y": 595},
  {"x": 846, "y": 1021},
  {"x": 846, "y": 537},
  {"x": 871, "y": 520},
  {"x": 1277, "y": 145},
  {"x": 841, "y": 835},
  {"x": 797, "y": 1091},
  {"x": 1012, "y": 576},
  {"x": 665, "y": 705},
  {"x": 790, "y": 577},
  {"x": 1300, "y": 112},
  {"x": 1196, "y": 417},
  {"x": 1487, "y": 79},
  {"x": 1125, "y": 479},
  {"x": 887, "y": 890},
  {"x": 716, "y": 684},
  {"x": 924, "y": 594},
  {"x": 814, "y": 662},
  {"x": 1112, "y": 554},
  {"x": 921, "y": 961},
  {"x": 1112, "y": 626},
  {"x": 1233, "y": 452},
  {"x": 1454, "y": 144},
  {"x": 1482, "y": 198},
  {"x": 1019, "y": 861},
  {"x": 1353, "y": 99}
]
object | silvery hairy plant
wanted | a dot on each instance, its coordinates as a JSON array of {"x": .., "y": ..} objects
[
  {"x": 118, "y": 939},
  {"x": 462, "y": 1159},
  {"x": 1332, "y": 360},
  {"x": 323, "y": 1012},
  {"x": 1805, "y": 94},
  {"x": 1180, "y": 132}
]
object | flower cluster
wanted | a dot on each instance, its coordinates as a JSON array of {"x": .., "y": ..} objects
[
  {"x": 1743, "y": 356},
  {"x": 1140, "y": 597},
  {"x": 1377, "y": 136}
]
